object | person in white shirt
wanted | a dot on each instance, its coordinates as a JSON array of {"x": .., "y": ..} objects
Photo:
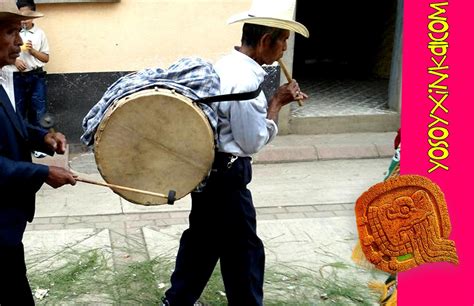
[
  {"x": 29, "y": 73},
  {"x": 222, "y": 222}
]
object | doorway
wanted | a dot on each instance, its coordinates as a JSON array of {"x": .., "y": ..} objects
[{"x": 345, "y": 65}]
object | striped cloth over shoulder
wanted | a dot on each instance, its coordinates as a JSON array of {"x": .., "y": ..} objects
[{"x": 194, "y": 78}]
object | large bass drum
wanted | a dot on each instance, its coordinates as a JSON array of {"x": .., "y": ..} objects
[{"x": 155, "y": 140}]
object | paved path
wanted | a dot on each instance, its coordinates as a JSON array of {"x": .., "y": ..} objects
[{"x": 305, "y": 210}]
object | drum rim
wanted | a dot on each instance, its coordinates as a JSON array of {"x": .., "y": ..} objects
[{"x": 146, "y": 92}]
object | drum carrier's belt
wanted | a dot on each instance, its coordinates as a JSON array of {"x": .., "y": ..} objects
[
  {"x": 226, "y": 160},
  {"x": 38, "y": 70}
]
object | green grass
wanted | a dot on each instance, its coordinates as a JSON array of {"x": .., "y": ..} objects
[
  {"x": 84, "y": 273},
  {"x": 88, "y": 278},
  {"x": 300, "y": 286}
]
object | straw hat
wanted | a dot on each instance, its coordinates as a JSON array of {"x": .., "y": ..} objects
[
  {"x": 9, "y": 11},
  {"x": 272, "y": 13}
]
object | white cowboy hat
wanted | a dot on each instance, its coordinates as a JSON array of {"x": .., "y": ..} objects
[
  {"x": 272, "y": 13},
  {"x": 9, "y": 11}
]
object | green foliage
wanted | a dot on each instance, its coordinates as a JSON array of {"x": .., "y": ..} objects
[{"x": 88, "y": 277}]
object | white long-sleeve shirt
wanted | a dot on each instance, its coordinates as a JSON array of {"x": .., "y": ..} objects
[
  {"x": 243, "y": 128},
  {"x": 6, "y": 80}
]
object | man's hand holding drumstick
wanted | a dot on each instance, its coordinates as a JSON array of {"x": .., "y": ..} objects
[
  {"x": 57, "y": 143},
  {"x": 285, "y": 94}
]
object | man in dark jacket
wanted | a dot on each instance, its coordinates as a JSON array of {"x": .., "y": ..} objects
[{"x": 20, "y": 179}]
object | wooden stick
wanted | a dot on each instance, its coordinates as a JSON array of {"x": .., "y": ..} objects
[
  {"x": 121, "y": 187},
  {"x": 288, "y": 77}
]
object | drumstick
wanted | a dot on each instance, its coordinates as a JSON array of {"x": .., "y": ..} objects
[
  {"x": 121, "y": 187},
  {"x": 288, "y": 77}
]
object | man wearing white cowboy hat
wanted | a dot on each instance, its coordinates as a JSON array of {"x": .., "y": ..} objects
[
  {"x": 222, "y": 223},
  {"x": 20, "y": 179}
]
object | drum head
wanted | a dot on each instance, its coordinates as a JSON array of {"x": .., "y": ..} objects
[{"x": 154, "y": 140}]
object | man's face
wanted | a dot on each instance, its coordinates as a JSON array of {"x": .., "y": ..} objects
[
  {"x": 10, "y": 42},
  {"x": 273, "y": 52}
]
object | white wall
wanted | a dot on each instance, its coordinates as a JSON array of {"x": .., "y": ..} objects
[{"x": 134, "y": 34}]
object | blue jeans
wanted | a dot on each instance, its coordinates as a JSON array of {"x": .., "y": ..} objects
[{"x": 30, "y": 95}]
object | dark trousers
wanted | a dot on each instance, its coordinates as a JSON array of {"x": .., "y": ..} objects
[
  {"x": 30, "y": 95},
  {"x": 222, "y": 226},
  {"x": 14, "y": 286}
]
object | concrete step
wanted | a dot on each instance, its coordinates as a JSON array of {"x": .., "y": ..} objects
[
  {"x": 294, "y": 148},
  {"x": 362, "y": 123}
]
